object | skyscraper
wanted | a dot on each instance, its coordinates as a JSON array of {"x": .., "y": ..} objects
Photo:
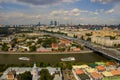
[
  {"x": 39, "y": 24},
  {"x": 55, "y": 23},
  {"x": 51, "y": 23}
]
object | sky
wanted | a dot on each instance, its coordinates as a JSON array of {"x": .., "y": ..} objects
[{"x": 65, "y": 11}]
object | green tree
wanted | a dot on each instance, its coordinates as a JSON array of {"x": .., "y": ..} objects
[
  {"x": 88, "y": 39},
  {"x": 82, "y": 37},
  {"x": 26, "y": 76},
  {"x": 39, "y": 41},
  {"x": 43, "y": 64},
  {"x": 29, "y": 43},
  {"x": 61, "y": 49},
  {"x": 32, "y": 48},
  {"x": 45, "y": 75},
  {"x": 48, "y": 41},
  {"x": 62, "y": 65},
  {"x": 69, "y": 65},
  {"x": 4, "y": 47},
  {"x": 75, "y": 36},
  {"x": 88, "y": 34}
]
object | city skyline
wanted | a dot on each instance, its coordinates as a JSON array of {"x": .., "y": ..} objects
[{"x": 64, "y": 11}]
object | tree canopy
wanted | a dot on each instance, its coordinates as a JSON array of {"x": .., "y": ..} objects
[
  {"x": 26, "y": 76},
  {"x": 32, "y": 48},
  {"x": 4, "y": 47},
  {"x": 45, "y": 75}
]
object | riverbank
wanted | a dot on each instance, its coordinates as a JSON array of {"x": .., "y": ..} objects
[{"x": 88, "y": 51}]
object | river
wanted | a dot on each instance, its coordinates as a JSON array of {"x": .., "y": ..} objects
[{"x": 50, "y": 58}]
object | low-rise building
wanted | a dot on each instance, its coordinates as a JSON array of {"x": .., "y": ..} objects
[
  {"x": 7, "y": 39},
  {"x": 90, "y": 70},
  {"x": 13, "y": 72},
  {"x": 11, "y": 75},
  {"x": 107, "y": 74},
  {"x": 80, "y": 66},
  {"x": 101, "y": 72},
  {"x": 79, "y": 71},
  {"x": 54, "y": 46},
  {"x": 115, "y": 72},
  {"x": 100, "y": 68},
  {"x": 76, "y": 49},
  {"x": 42, "y": 49},
  {"x": 96, "y": 76}
]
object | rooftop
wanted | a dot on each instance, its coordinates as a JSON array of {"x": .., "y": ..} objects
[
  {"x": 79, "y": 71},
  {"x": 21, "y": 70},
  {"x": 107, "y": 73},
  {"x": 80, "y": 66},
  {"x": 90, "y": 70},
  {"x": 96, "y": 75},
  {"x": 100, "y": 68},
  {"x": 115, "y": 72}
]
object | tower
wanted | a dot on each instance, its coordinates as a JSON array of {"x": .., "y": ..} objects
[
  {"x": 51, "y": 23},
  {"x": 39, "y": 24},
  {"x": 55, "y": 23},
  {"x": 34, "y": 72}
]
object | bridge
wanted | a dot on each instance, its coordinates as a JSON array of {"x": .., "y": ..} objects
[{"x": 112, "y": 53}]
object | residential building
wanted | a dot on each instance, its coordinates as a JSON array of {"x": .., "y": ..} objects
[
  {"x": 42, "y": 49},
  {"x": 100, "y": 68},
  {"x": 96, "y": 76},
  {"x": 105, "y": 41}
]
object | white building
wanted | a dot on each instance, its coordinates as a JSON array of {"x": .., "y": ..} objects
[
  {"x": 106, "y": 41},
  {"x": 34, "y": 71},
  {"x": 7, "y": 39}
]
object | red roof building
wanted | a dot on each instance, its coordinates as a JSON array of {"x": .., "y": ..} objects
[
  {"x": 65, "y": 41},
  {"x": 100, "y": 68},
  {"x": 96, "y": 76},
  {"x": 115, "y": 72},
  {"x": 54, "y": 46},
  {"x": 76, "y": 49},
  {"x": 11, "y": 75},
  {"x": 79, "y": 71}
]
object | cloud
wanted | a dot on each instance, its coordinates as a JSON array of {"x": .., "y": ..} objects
[
  {"x": 110, "y": 11},
  {"x": 70, "y": 1},
  {"x": 40, "y": 2},
  {"x": 17, "y": 15},
  {"x": 73, "y": 12},
  {"x": 117, "y": 9},
  {"x": 114, "y": 10},
  {"x": 46, "y": 2},
  {"x": 66, "y": 18},
  {"x": 7, "y": 1},
  {"x": 97, "y": 12},
  {"x": 105, "y": 1},
  {"x": 21, "y": 18},
  {"x": 82, "y": 18},
  {"x": 1, "y": 7}
]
